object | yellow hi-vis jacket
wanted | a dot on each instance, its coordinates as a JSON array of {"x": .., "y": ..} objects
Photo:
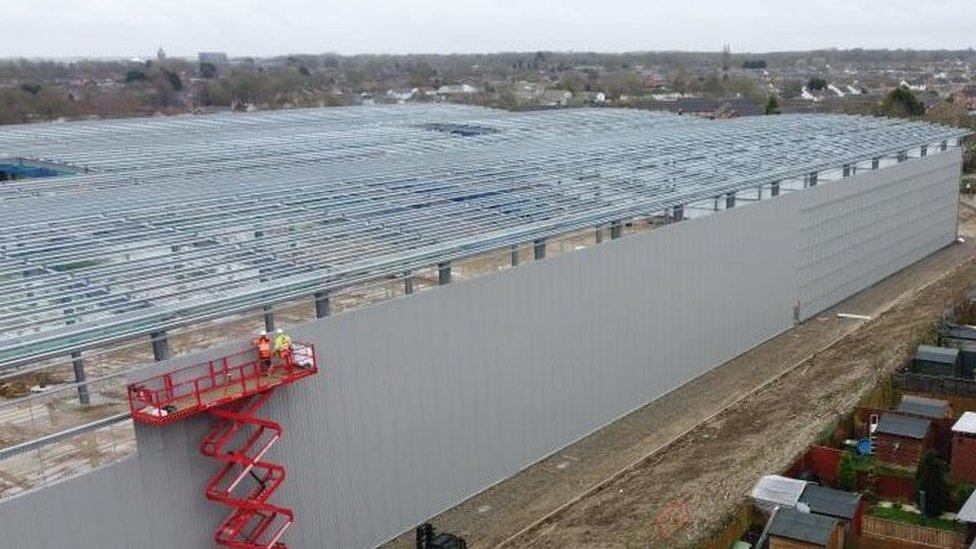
[{"x": 282, "y": 343}]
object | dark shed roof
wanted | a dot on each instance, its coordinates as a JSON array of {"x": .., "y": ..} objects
[
  {"x": 925, "y": 407},
  {"x": 903, "y": 426},
  {"x": 944, "y": 355},
  {"x": 827, "y": 501},
  {"x": 960, "y": 331},
  {"x": 808, "y": 527}
]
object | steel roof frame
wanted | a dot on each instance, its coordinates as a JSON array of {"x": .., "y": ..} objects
[{"x": 184, "y": 219}]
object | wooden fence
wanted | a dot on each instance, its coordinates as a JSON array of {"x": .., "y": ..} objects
[
  {"x": 912, "y": 382},
  {"x": 901, "y": 534}
]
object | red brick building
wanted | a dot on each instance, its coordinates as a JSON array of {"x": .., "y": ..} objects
[
  {"x": 962, "y": 467},
  {"x": 901, "y": 440}
]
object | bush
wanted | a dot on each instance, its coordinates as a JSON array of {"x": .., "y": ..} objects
[
  {"x": 960, "y": 493},
  {"x": 846, "y": 473},
  {"x": 900, "y": 103},
  {"x": 930, "y": 478}
]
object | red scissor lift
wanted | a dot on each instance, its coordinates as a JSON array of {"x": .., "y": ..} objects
[{"x": 232, "y": 389}]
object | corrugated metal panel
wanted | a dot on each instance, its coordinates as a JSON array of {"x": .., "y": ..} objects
[
  {"x": 425, "y": 401},
  {"x": 858, "y": 232}
]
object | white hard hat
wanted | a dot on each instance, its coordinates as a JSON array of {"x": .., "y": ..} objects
[
  {"x": 280, "y": 331},
  {"x": 263, "y": 332}
]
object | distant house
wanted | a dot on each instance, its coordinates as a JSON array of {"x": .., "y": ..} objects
[
  {"x": 968, "y": 97},
  {"x": 962, "y": 466},
  {"x": 901, "y": 440},
  {"x": 790, "y": 529},
  {"x": 929, "y": 408},
  {"x": 937, "y": 361},
  {"x": 848, "y": 507},
  {"x": 456, "y": 89},
  {"x": 555, "y": 97}
]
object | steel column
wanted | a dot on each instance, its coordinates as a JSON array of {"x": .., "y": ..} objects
[
  {"x": 616, "y": 230},
  {"x": 539, "y": 249},
  {"x": 408, "y": 283},
  {"x": 678, "y": 212},
  {"x": 160, "y": 345},
  {"x": 78, "y": 363},
  {"x": 323, "y": 304}
]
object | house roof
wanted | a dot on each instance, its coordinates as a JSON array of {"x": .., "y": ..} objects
[
  {"x": 827, "y": 501},
  {"x": 921, "y": 406},
  {"x": 903, "y": 426},
  {"x": 966, "y": 423},
  {"x": 807, "y": 527},
  {"x": 778, "y": 490},
  {"x": 929, "y": 353}
]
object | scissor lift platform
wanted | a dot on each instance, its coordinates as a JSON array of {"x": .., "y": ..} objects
[
  {"x": 233, "y": 389},
  {"x": 176, "y": 395}
]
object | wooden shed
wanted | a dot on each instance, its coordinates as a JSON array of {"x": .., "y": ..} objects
[{"x": 901, "y": 440}]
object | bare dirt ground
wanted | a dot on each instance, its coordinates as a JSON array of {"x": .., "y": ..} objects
[
  {"x": 669, "y": 473},
  {"x": 709, "y": 471}
]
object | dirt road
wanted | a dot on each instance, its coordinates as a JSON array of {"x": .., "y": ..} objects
[{"x": 708, "y": 472}]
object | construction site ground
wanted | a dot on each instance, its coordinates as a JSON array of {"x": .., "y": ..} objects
[{"x": 672, "y": 473}]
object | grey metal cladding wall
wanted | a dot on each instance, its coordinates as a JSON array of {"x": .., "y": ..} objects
[
  {"x": 425, "y": 401},
  {"x": 858, "y": 232},
  {"x": 429, "y": 400}
]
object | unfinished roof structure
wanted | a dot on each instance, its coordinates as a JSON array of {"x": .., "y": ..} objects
[{"x": 150, "y": 224}]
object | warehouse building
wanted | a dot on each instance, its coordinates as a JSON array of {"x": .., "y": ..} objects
[{"x": 481, "y": 289}]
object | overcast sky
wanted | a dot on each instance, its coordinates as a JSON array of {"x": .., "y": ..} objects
[{"x": 106, "y": 28}]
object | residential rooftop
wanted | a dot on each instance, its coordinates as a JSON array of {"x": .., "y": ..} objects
[
  {"x": 929, "y": 353},
  {"x": 828, "y": 501},
  {"x": 903, "y": 426},
  {"x": 965, "y": 424},
  {"x": 925, "y": 407},
  {"x": 805, "y": 527}
]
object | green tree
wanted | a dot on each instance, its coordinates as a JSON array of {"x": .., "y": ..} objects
[
  {"x": 960, "y": 493},
  {"x": 174, "y": 80},
  {"x": 679, "y": 81},
  {"x": 791, "y": 89},
  {"x": 816, "y": 83},
  {"x": 135, "y": 76},
  {"x": 930, "y": 479},
  {"x": 901, "y": 103},
  {"x": 846, "y": 474},
  {"x": 208, "y": 70}
]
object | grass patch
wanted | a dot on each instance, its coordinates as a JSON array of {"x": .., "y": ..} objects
[
  {"x": 907, "y": 517},
  {"x": 869, "y": 464}
]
